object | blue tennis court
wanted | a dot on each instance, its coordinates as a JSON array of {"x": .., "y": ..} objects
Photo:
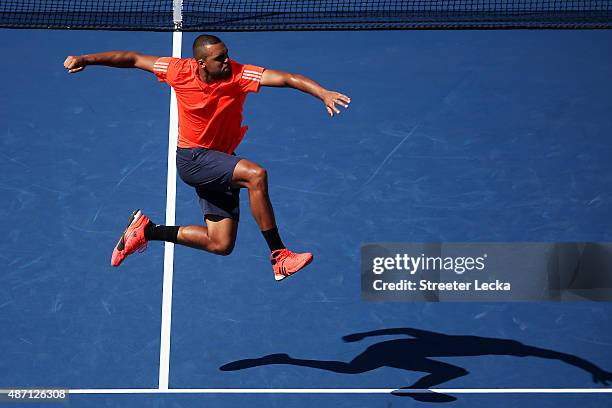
[{"x": 451, "y": 136}]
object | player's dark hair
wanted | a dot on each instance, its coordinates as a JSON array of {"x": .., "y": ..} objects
[{"x": 200, "y": 43}]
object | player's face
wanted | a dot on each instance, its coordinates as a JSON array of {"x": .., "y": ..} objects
[{"x": 217, "y": 62}]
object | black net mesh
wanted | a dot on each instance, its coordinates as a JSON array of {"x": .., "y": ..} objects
[{"x": 260, "y": 15}]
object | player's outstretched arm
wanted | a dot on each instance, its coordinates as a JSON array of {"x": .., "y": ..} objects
[
  {"x": 117, "y": 59},
  {"x": 275, "y": 78}
]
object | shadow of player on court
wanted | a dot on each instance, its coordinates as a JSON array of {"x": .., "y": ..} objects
[{"x": 415, "y": 354}]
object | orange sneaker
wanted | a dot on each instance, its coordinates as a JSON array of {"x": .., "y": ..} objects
[
  {"x": 285, "y": 262},
  {"x": 132, "y": 239}
]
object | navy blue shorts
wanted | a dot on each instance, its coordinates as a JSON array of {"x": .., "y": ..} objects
[{"x": 210, "y": 173}]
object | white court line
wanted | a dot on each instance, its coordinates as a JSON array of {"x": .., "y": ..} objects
[
  {"x": 341, "y": 391},
  {"x": 166, "y": 320}
]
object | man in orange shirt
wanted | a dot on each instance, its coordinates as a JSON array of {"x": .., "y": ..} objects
[{"x": 211, "y": 90}]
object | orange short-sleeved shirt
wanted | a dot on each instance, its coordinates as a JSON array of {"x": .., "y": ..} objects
[{"x": 210, "y": 115}]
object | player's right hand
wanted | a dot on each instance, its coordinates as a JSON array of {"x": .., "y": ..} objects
[{"x": 74, "y": 64}]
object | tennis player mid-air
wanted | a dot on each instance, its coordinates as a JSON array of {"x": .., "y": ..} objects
[{"x": 211, "y": 90}]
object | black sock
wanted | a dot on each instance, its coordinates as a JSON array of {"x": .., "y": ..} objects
[
  {"x": 154, "y": 232},
  {"x": 273, "y": 239}
]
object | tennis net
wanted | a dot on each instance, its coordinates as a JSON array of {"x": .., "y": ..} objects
[{"x": 268, "y": 15}]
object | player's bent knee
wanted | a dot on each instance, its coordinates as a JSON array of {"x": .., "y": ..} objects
[
  {"x": 223, "y": 248},
  {"x": 259, "y": 177}
]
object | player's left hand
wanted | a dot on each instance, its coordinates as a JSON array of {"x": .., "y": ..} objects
[
  {"x": 331, "y": 99},
  {"x": 74, "y": 64}
]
